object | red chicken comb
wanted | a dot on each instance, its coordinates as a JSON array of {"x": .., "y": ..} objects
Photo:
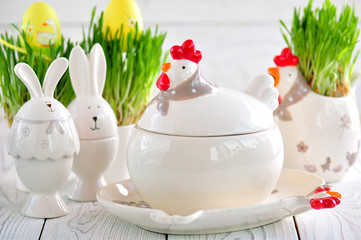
[
  {"x": 286, "y": 58},
  {"x": 186, "y": 51}
]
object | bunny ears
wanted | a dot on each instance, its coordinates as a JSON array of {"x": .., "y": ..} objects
[
  {"x": 286, "y": 58},
  {"x": 87, "y": 73},
  {"x": 27, "y": 75},
  {"x": 186, "y": 51}
]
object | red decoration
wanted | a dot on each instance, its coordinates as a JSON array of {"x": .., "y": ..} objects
[
  {"x": 163, "y": 82},
  {"x": 320, "y": 189},
  {"x": 326, "y": 202},
  {"x": 186, "y": 51},
  {"x": 337, "y": 200},
  {"x": 316, "y": 203},
  {"x": 286, "y": 58},
  {"x": 320, "y": 203}
]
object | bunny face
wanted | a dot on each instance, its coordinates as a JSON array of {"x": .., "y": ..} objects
[
  {"x": 93, "y": 117},
  {"x": 45, "y": 108},
  {"x": 42, "y": 128},
  {"x": 42, "y": 105}
]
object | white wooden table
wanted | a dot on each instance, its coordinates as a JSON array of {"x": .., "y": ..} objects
[{"x": 90, "y": 221}]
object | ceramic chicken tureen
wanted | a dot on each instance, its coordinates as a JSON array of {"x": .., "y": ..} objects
[{"x": 200, "y": 146}]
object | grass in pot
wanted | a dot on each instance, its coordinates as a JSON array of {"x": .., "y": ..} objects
[
  {"x": 318, "y": 116},
  {"x": 13, "y": 93}
]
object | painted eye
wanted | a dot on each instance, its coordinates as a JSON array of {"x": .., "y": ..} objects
[
  {"x": 89, "y": 107},
  {"x": 290, "y": 75},
  {"x": 98, "y": 106},
  {"x": 184, "y": 67}
]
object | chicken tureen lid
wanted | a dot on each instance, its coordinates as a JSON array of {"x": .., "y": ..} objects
[{"x": 188, "y": 105}]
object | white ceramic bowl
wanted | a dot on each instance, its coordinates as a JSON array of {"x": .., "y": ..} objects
[{"x": 181, "y": 175}]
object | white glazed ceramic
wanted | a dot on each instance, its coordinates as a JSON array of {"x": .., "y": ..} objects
[
  {"x": 181, "y": 175},
  {"x": 291, "y": 196},
  {"x": 356, "y": 89},
  {"x": 44, "y": 179},
  {"x": 223, "y": 112},
  {"x": 119, "y": 170},
  {"x": 94, "y": 120},
  {"x": 197, "y": 142},
  {"x": 42, "y": 141},
  {"x": 321, "y": 134}
]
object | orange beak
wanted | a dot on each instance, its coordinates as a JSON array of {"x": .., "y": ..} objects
[
  {"x": 166, "y": 67},
  {"x": 44, "y": 24},
  {"x": 275, "y": 72}
]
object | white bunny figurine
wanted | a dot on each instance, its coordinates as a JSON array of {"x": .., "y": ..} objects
[
  {"x": 94, "y": 120},
  {"x": 43, "y": 140}
]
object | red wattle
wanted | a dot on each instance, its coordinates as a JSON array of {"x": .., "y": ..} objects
[{"x": 163, "y": 82}]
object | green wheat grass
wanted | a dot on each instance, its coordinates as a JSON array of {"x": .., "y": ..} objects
[{"x": 325, "y": 44}]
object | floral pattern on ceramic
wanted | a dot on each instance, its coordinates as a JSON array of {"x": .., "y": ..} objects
[
  {"x": 318, "y": 131},
  {"x": 302, "y": 148}
]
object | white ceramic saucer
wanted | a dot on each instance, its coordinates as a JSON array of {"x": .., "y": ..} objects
[{"x": 291, "y": 196}]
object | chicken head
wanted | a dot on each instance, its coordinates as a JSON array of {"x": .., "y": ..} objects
[{"x": 183, "y": 66}]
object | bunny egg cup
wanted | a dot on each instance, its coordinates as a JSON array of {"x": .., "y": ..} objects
[
  {"x": 42, "y": 141},
  {"x": 94, "y": 120}
]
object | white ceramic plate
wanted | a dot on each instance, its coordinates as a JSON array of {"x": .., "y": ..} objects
[{"x": 291, "y": 196}]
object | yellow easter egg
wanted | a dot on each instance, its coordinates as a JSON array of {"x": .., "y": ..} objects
[
  {"x": 41, "y": 25},
  {"x": 122, "y": 12}
]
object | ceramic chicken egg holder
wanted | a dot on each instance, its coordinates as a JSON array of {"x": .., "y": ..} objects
[
  {"x": 42, "y": 141},
  {"x": 94, "y": 120},
  {"x": 200, "y": 146},
  {"x": 321, "y": 134}
]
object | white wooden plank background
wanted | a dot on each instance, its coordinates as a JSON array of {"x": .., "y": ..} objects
[
  {"x": 11, "y": 201},
  {"x": 91, "y": 221},
  {"x": 284, "y": 229}
]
